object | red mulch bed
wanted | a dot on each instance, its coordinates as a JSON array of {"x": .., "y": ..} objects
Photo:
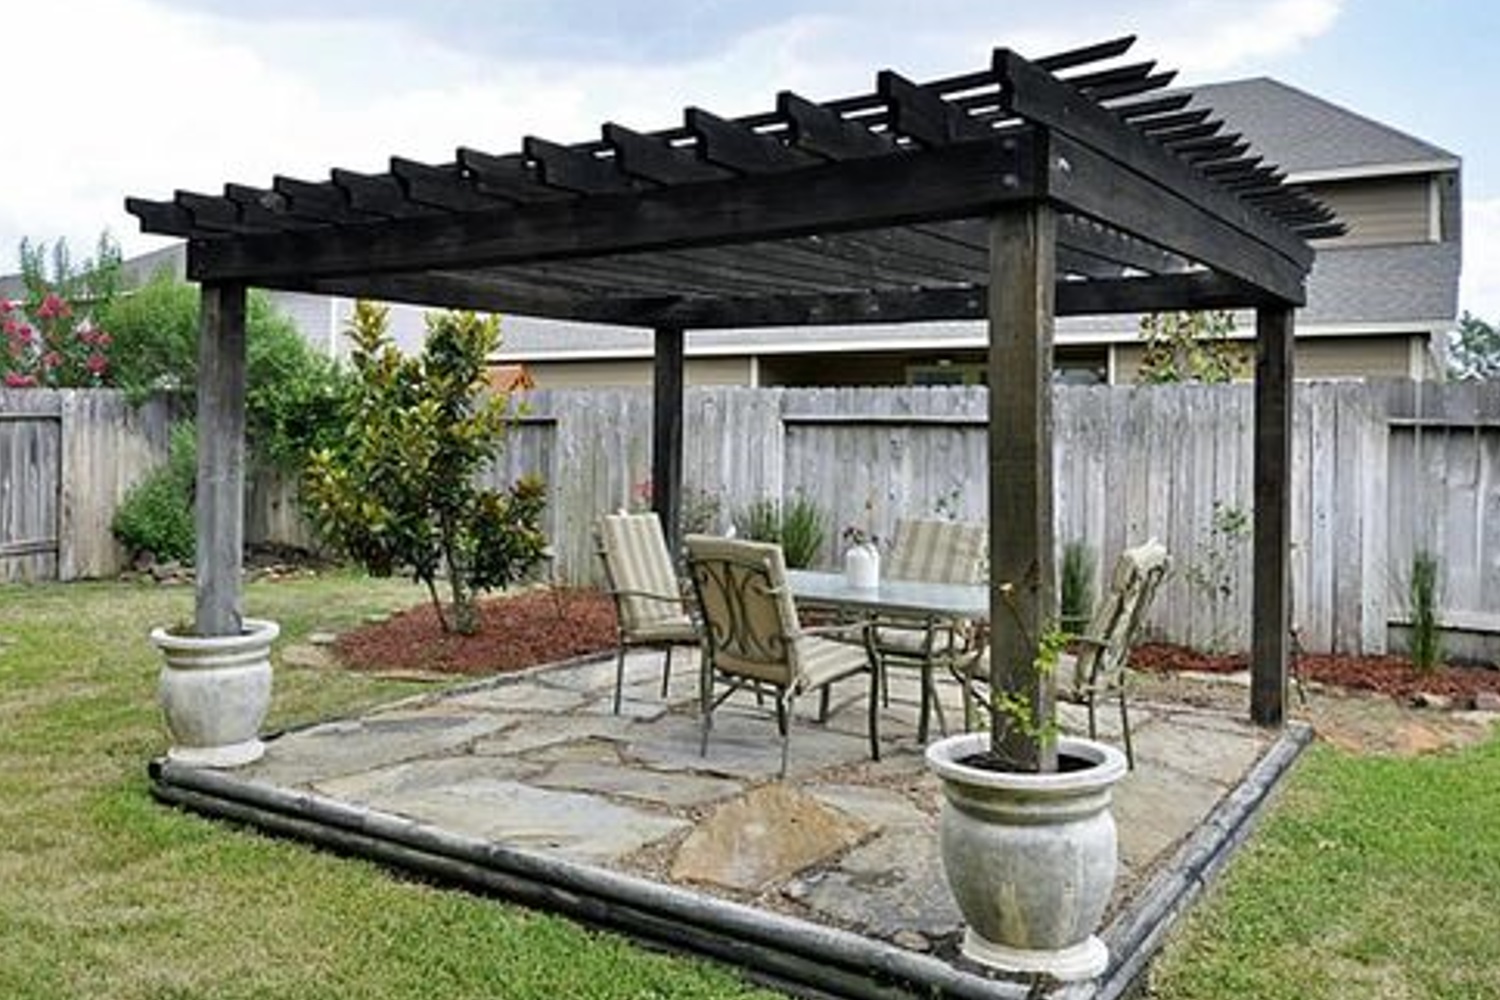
[
  {"x": 1391, "y": 675},
  {"x": 523, "y": 630},
  {"x": 545, "y": 626}
]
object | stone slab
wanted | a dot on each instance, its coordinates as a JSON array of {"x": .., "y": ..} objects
[
  {"x": 527, "y": 696},
  {"x": 382, "y": 784},
  {"x": 894, "y": 885},
  {"x": 568, "y": 824},
  {"x": 597, "y": 676},
  {"x": 741, "y": 746},
  {"x": 1215, "y": 753},
  {"x": 339, "y": 748},
  {"x": 532, "y": 733},
  {"x": 1156, "y": 807},
  {"x": 675, "y": 789},
  {"x": 876, "y": 807},
  {"x": 762, "y": 838}
]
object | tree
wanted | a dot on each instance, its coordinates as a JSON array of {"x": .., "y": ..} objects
[
  {"x": 398, "y": 492},
  {"x": 92, "y": 282},
  {"x": 53, "y": 338},
  {"x": 1474, "y": 349},
  {"x": 1191, "y": 347},
  {"x": 293, "y": 392}
]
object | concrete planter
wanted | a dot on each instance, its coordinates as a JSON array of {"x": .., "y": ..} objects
[
  {"x": 1030, "y": 858},
  {"x": 215, "y": 692}
]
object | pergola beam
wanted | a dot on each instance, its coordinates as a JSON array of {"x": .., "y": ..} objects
[
  {"x": 1196, "y": 290},
  {"x": 951, "y": 182}
]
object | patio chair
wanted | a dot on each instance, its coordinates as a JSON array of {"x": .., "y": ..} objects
[
  {"x": 752, "y": 636},
  {"x": 650, "y": 603},
  {"x": 1098, "y": 668},
  {"x": 931, "y": 550}
]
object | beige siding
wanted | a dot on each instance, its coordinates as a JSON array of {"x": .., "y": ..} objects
[
  {"x": 634, "y": 372},
  {"x": 1323, "y": 358},
  {"x": 1392, "y": 210}
]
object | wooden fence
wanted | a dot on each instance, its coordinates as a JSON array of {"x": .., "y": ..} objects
[
  {"x": 1380, "y": 471},
  {"x": 66, "y": 460}
]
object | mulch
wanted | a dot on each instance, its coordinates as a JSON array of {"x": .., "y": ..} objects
[
  {"x": 550, "y": 625},
  {"x": 1389, "y": 675},
  {"x": 517, "y": 631}
]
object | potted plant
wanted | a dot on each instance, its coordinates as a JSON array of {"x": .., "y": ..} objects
[
  {"x": 215, "y": 692},
  {"x": 1027, "y": 839}
]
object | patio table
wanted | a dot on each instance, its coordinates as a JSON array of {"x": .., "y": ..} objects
[{"x": 896, "y": 598}]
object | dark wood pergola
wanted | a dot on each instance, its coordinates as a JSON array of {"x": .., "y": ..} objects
[{"x": 1015, "y": 193}]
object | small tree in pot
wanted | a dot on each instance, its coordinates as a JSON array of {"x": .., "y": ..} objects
[{"x": 1028, "y": 842}]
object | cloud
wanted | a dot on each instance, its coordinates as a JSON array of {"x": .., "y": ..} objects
[
  {"x": 1479, "y": 286},
  {"x": 154, "y": 95}
]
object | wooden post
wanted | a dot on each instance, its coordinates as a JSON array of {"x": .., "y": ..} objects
[
  {"x": 221, "y": 459},
  {"x": 1023, "y": 591},
  {"x": 666, "y": 434},
  {"x": 1271, "y": 601}
]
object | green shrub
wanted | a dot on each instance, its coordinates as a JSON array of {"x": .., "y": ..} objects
[
  {"x": 156, "y": 515},
  {"x": 797, "y": 525},
  {"x": 803, "y": 530},
  {"x": 759, "y": 521},
  {"x": 1076, "y": 587},
  {"x": 293, "y": 393},
  {"x": 1426, "y": 636}
]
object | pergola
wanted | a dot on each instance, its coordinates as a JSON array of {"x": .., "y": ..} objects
[{"x": 1016, "y": 193}]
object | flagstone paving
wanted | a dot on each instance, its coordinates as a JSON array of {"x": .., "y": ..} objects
[{"x": 541, "y": 761}]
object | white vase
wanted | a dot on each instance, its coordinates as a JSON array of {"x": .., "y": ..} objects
[
  {"x": 215, "y": 692},
  {"x": 1030, "y": 858},
  {"x": 862, "y": 567}
]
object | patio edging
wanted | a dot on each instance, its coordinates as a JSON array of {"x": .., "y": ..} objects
[
  {"x": 787, "y": 951},
  {"x": 1137, "y": 934}
]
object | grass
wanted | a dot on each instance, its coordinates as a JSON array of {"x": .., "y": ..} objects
[
  {"x": 103, "y": 892},
  {"x": 1375, "y": 877}
]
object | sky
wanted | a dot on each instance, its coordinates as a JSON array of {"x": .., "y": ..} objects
[{"x": 109, "y": 98}]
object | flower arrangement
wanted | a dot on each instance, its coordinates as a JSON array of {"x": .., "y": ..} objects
[{"x": 863, "y": 533}]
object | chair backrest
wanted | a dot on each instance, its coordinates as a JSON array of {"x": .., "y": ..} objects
[
  {"x": 933, "y": 550},
  {"x": 637, "y": 563},
  {"x": 749, "y": 619},
  {"x": 1138, "y": 572}
]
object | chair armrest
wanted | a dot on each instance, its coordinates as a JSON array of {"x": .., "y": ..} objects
[
  {"x": 645, "y": 595},
  {"x": 841, "y": 633}
]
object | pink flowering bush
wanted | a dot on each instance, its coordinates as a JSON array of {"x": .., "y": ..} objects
[{"x": 49, "y": 346}]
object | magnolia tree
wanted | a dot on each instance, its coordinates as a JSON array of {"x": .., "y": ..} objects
[{"x": 400, "y": 493}]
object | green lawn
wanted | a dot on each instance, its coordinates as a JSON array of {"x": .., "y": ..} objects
[
  {"x": 1375, "y": 878},
  {"x": 103, "y": 892}
]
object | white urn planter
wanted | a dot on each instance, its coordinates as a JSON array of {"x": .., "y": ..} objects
[
  {"x": 1030, "y": 858},
  {"x": 862, "y": 566},
  {"x": 215, "y": 692}
]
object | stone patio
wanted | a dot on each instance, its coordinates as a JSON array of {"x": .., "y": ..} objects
[{"x": 538, "y": 763}]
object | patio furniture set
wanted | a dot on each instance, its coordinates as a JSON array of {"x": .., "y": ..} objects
[{"x": 748, "y": 613}]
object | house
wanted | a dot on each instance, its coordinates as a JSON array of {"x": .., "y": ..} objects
[{"x": 1380, "y": 298}]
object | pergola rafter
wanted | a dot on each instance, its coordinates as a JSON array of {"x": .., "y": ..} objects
[{"x": 889, "y": 206}]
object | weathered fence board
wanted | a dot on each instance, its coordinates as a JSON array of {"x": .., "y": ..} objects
[{"x": 67, "y": 458}]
